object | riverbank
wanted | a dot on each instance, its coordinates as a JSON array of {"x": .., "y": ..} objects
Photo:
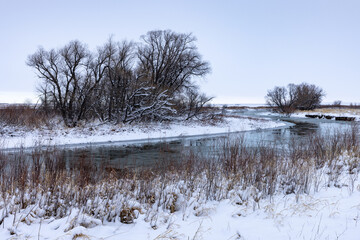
[
  {"x": 57, "y": 134},
  {"x": 331, "y": 213},
  {"x": 331, "y": 112},
  {"x": 309, "y": 191},
  {"x": 341, "y": 114}
]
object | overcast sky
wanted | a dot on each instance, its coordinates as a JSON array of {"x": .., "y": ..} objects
[{"x": 251, "y": 45}]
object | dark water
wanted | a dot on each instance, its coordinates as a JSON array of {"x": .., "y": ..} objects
[{"x": 153, "y": 153}]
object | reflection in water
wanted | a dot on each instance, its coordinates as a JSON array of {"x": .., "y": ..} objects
[
  {"x": 303, "y": 128},
  {"x": 141, "y": 155}
]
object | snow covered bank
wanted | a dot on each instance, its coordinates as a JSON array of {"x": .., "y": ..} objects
[
  {"x": 98, "y": 133},
  {"x": 309, "y": 191},
  {"x": 355, "y": 113},
  {"x": 332, "y": 213}
]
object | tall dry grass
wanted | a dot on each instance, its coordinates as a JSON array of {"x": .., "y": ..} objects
[
  {"x": 51, "y": 186},
  {"x": 26, "y": 116}
]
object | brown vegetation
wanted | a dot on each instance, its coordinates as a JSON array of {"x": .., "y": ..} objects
[
  {"x": 45, "y": 180},
  {"x": 25, "y": 116}
]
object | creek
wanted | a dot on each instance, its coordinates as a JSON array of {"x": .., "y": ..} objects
[{"x": 153, "y": 152}]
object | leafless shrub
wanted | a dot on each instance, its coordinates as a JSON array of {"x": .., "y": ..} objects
[
  {"x": 308, "y": 96},
  {"x": 303, "y": 96},
  {"x": 337, "y": 103},
  {"x": 282, "y": 98}
]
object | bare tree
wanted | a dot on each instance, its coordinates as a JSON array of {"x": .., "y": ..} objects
[
  {"x": 170, "y": 60},
  {"x": 110, "y": 97},
  {"x": 122, "y": 81},
  {"x": 284, "y": 99},
  {"x": 337, "y": 103},
  {"x": 303, "y": 96},
  {"x": 70, "y": 75},
  {"x": 308, "y": 96},
  {"x": 193, "y": 102},
  {"x": 125, "y": 95}
]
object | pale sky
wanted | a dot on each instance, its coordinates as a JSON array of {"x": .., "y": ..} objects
[{"x": 251, "y": 45}]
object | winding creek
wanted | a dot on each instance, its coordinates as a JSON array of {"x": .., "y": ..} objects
[{"x": 152, "y": 153}]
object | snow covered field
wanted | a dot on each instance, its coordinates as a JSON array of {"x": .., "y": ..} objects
[
  {"x": 98, "y": 133},
  {"x": 330, "y": 213}
]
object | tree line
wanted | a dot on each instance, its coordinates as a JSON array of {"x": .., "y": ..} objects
[{"x": 125, "y": 81}]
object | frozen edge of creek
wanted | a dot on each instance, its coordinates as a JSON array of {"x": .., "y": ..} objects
[{"x": 107, "y": 134}]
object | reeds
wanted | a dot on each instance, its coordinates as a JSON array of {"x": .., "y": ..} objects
[
  {"x": 26, "y": 116},
  {"x": 45, "y": 181}
]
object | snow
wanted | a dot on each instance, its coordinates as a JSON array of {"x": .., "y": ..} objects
[
  {"x": 350, "y": 113},
  {"x": 327, "y": 213},
  {"x": 102, "y": 133},
  {"x": 331, "y": 213},
  {"x": 301, "y": 114}
]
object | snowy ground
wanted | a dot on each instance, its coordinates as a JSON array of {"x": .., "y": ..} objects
[
  {"x": 328, "y": 213},
  {"x": 98, "y": 133},
  {"x": 326, "y": 111},
  {"x": 333, "y": 112},
  {"x": 331, "y": 213}
]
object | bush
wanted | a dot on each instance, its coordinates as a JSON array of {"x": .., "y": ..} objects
[{"x": 303, "y": 97}]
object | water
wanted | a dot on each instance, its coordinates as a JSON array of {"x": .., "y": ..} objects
[
  {"x": 153, "y": 153},
  {"x": 298, "y": 128}
]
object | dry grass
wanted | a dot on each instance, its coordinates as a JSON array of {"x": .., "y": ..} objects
[
  {"x": 30, "y": 117},
  {"x": 25, "y": 116},
  {"x": 44, "y": 182}
]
